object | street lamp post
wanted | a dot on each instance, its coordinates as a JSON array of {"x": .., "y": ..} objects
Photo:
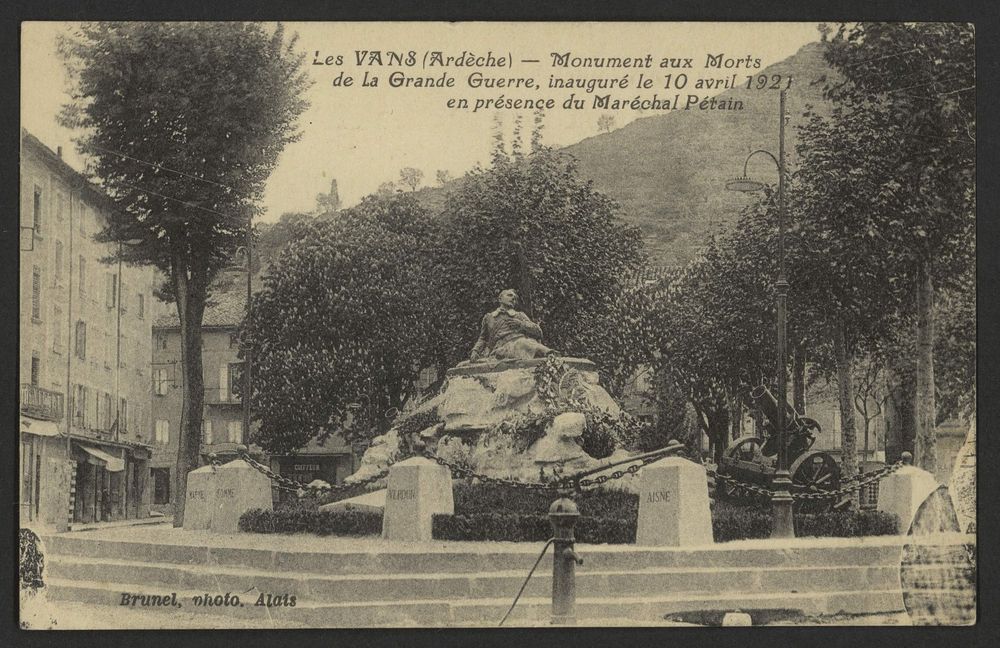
[
  {"x": 247, "y": 359},
  {"x": 781, "y": 498}
]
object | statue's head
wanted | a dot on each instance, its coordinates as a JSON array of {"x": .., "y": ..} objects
[{"x": 508, "y": 298}]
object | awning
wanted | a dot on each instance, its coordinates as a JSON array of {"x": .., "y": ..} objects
[
  {"x": 111, "y": 463},
  {"x": 39, "y": 427}
]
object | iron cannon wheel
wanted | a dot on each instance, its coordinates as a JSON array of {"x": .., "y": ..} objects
[
  {"x": 815, "y": 471},
  {"x": 747, "y": 449}
]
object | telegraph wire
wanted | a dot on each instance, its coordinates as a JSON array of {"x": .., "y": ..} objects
[
  {"x": 161, "y": 167},
  {"x": 178, "y": 200}
]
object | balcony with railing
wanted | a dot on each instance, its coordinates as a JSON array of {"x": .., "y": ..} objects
[{"x": 42, "y": 403}]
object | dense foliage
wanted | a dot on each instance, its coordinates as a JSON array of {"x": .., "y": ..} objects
[
  {"x": 531, "y": 223},
  {"x": 344, "y": 323},
  {"x": 361, "y": 300},
  {"x": 297, "y": 520},
  {"x": 879, "y": 248}
]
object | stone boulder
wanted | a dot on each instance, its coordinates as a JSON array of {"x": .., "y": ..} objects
[
  {"x": 383, "y": 451},
  {"x": 479, "y": 395}
]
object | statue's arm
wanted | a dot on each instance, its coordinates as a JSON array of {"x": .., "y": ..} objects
[
  {"x": 481, "y": 343},
  {"x": 529, "y": 327}
]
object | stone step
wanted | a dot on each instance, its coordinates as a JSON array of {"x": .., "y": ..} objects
[
  {"x": 318, "y": 586},
  {"x": 440, "y": 558},
  {"x": 488, "y": 612}
]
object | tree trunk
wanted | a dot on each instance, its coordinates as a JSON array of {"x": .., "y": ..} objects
[
  {"x": 899, "y": 409},
  {"x": 718, "y": 431},
  {"x": 845, "y": 391},
  {"x": 190, "y": 309},
  {"x": 736, "y": 417},
  {"x": 925, "y": 442},
  {"x": 799, "y": 379}
]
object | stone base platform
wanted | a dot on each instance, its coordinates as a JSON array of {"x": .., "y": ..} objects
[{"x": 366, "y": 582}]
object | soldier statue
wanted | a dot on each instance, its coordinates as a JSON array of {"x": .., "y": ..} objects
[{"x": 509, "y": 334}]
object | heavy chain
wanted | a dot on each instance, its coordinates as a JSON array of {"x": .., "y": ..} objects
[
  {"x": 462, "y": 471},
  {"x": 618, "y": 474},
  {"x": 293, "y": 486},
  {"x": 576, "y": 482},
  {"x": 854, "y": 484},
  {"x": 860, "y": 481}
]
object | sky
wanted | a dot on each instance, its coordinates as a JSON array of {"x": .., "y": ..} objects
[{"x": 363, "y": 136}]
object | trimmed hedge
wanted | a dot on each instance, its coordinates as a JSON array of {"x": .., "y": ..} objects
[
  {"x": 847, "y": 524},
  {"x": 348, "y": 523},
  {"x": 486, "y": 512},
  {"x": 529, "y": 528}
]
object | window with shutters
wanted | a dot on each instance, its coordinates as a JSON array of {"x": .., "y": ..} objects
[
  {"x": 122, "y": 415},
  {"x": 56, "y": 329},
  {"x": 234, "y": 431},
  {"x": 58, "y": 270},
  {"x": 206, "y": 431},
  {"x": 224, "y": 383},
  {"x": 36, "y": 293},
  {"x": 161, "y": 381},
  {"x": 36, "y": 213},
  {"x": 83, "y": 277},
  {"x": 60, "y": 206},
  {"x": 81, "y": 340},
  {"x": 36, "y": 368},
  {"x": 110, "y": 289},
  {"x": 162, "y": 432},
  {"x": 79, "y": 405},
  {"x": 142, "y": 306}
]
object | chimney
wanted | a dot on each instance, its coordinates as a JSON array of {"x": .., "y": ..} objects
[{"x": 59, "y": 152}]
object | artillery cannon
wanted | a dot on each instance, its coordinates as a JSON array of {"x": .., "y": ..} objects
[{"x": 754, "y": 459}]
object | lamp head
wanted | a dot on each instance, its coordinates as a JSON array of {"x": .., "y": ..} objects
[{"x": 744, "y": 184}]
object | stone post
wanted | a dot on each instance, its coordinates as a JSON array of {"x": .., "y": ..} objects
[
  {"x": 417, "y": 489},
  {"x": 199, "y": 502},
  {"x": 673, "y": 504},
  {"x": 902, "y": 493},
  {"x": 238, "y": 488}
]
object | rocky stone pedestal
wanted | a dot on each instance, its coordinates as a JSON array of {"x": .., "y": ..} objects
[
  {"x": 418, "y": 488},
  {"x": 673, "y": 505}
]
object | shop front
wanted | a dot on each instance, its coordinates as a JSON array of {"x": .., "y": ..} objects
[{"x": 111, "y": 481}]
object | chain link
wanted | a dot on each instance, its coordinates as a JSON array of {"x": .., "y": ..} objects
[
  {"x": 290, "y": 485},
  {"x": 855, "y": 483},
  {"x": 462, "y": 471}
]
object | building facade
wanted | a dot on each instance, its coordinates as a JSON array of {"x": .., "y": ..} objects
[
  {"x": 223, "y": 417},
  {"x": 84, "y": 355}
]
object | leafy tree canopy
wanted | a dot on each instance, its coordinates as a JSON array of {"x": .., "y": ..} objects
[{"x": 343, "y": 324}]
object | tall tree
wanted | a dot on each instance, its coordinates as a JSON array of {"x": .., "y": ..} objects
[
  {"x": 919, "y": 80},
  {"x": 183, "y": 123},
  {"x": 344, "y": 324},
  {"x": 530, "y": 222}
]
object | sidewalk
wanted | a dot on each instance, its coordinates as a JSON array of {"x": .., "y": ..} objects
[{"x": 117, "y": 524}]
